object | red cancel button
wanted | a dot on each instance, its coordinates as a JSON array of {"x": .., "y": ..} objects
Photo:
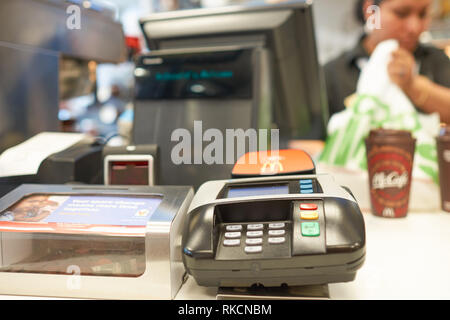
[{"x": 308, "y": 206}]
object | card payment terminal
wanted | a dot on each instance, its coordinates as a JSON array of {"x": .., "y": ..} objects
[{"x": 294, "y": 230}]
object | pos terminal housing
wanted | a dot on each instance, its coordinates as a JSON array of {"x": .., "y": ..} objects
[{"x": 294, "y": 230}]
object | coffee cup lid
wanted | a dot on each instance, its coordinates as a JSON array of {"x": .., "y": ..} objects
[{"x": 390, "y": 135}]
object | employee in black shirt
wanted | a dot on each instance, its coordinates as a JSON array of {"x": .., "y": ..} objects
[{"x": 405, "y": 21}]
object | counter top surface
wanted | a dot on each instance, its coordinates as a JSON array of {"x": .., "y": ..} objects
[{"x": 406, "y": 258}]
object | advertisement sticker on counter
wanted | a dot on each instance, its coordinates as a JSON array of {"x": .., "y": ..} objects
[{"x": 116, "y": 215}]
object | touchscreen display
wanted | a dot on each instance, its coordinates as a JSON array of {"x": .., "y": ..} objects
[
  {"x": 79, "y": 213},
  {"x": 237, "y": 192}
]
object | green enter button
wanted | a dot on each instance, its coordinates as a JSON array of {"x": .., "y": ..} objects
[{"x": 310, "y": 229}]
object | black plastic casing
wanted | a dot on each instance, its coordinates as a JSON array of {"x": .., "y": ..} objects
[{"x": 341, "y": 255}]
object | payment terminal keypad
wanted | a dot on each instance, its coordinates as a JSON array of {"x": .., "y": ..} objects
[
  {"x": 254, "y": 240},
  {"x": 305, "y": 234}
]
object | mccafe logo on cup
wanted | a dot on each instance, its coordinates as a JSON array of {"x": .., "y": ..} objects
[
  {"x": 382, "y": 180},
  {"x": 389, "y": 177},
  {"x": 390, "y": 155}
]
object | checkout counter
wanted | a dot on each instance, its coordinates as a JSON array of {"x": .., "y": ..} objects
[{"x": 406, "y": 258}]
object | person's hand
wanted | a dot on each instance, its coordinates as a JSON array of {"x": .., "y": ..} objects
[{"x": 401, "y": 69}]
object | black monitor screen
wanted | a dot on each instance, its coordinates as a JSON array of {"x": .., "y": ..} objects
[
  {"x": 285, "y": 30},
  {"x": 225, "y": 74}
]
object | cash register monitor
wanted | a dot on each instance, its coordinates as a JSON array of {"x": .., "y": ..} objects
[{"x": 286, "y": 30}]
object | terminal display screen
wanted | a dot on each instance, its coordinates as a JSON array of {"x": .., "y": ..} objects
[
  {"x": 248, "y": 191},
  {"x": 225, "y": 74}
]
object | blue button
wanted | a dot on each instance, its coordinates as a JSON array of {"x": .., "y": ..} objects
[
  {"x": 306, "y": 186},
  {"x": 305, "y": 181},
  {"x": 306, "y": 191}
]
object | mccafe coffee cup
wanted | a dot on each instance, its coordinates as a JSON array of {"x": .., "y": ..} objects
[
  {"x": 390, "y": 155},
  {"x": 443, "y": 148}
]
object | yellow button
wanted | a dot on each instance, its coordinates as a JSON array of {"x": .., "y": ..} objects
[{"x": 309, "y": 215}]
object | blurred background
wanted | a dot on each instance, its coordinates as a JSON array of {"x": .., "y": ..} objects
[
  {"x": 337, "y": 29},
  {"x": 102, "y": 104}
]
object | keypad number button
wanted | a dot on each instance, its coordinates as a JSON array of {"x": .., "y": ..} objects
[
  {"x": 278, "y": 225},
  {"x": 277, "y": 240},
  {"x": 253, "y": 249},
  {"x": 256, "y": 226},
  {"x": 234, "y": 227},
  {"x": 254, "y": 234},
  {"x": 253, "y": 241},
  {"x": 231, "y": 242},
  {"x": 232, "y": 235},
  {"x": 276, "y": 232}
]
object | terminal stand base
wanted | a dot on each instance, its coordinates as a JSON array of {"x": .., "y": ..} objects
[{"x": 311, "y": 292}]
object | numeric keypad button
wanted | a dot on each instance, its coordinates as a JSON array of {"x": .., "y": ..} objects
[
  {"x": 232, "y": 235},
  {"x": 254, "y": 234},
  {"x": 253, "y": 249},
  {"x": 232, "y": 242}
]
